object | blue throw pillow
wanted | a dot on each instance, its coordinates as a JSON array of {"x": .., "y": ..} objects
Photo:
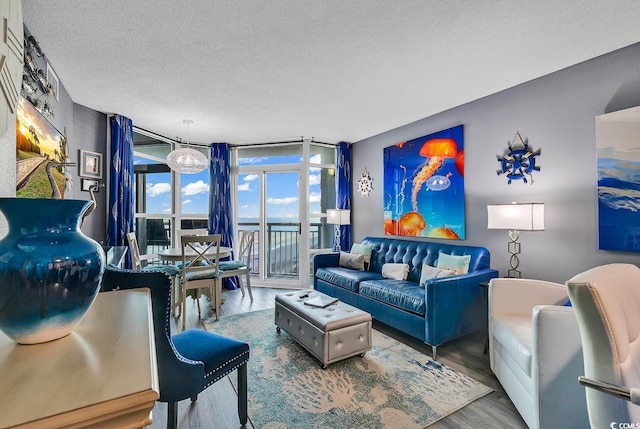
[
  {"x": 460, "y": 264},
  {"x": 568, "y": 304}
]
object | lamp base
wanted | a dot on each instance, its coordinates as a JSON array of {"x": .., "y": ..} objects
[
  {"x": 513, "y": 247},
  {"x": 514, "y": 274}
]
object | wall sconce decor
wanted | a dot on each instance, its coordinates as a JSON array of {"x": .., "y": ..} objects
[
  {"x": 515, "y": 217},
  {"x": 338, "y": 217},
  {"x": 518, "y": 162},
  {"x": 365, "y": 184},
  {"x": 87, "y": 184}
]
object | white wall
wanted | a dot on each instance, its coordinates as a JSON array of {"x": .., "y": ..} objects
[{"x": 557, "y": 114}]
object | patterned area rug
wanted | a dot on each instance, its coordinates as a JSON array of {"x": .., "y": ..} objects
[{"x": 392, "y": 386}]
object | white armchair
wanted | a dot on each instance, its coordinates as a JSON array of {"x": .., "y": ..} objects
[
  {"x": 536, "y": 353},
  {"x": 607, "y": 305}
]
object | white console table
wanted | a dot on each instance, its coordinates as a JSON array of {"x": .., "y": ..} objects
[{"x": 102, "y": 375}]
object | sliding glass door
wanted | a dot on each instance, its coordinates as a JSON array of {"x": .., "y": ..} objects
[
  {"x": 283, "y": 192},
  {"x": 269, "y": 205},
  {"x": 281, "y": 225}
]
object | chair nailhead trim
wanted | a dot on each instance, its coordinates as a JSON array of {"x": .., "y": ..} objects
[
  {"x": 226, "y": 372},
  {"x": 228, "y": 362}
]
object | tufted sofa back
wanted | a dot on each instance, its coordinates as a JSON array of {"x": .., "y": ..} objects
[{"x": 415, "y": 253}]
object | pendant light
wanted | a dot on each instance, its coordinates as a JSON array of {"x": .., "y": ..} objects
[{"x": 186, "y": 159}]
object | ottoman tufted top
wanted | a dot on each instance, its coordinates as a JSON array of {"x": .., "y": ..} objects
[{"x": 332, "y": 317}]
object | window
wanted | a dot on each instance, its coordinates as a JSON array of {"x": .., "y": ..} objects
[{"x": 164, "y": 200}]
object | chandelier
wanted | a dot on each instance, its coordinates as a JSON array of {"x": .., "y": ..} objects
[{"x": 186, "y": 159}]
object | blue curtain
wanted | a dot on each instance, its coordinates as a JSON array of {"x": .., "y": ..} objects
[
  {"x": 343, "y": 194},
  {"x": 220, "y": 209},
  {"x": 121, "y": 211}
]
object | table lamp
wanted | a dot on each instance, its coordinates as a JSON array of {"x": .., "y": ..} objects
[
  {"x": 338, "y": 217},
  {"x": 515, "y": 217}
]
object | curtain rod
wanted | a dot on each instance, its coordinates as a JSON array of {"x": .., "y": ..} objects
[
  {"x": 283, "y": 141},
  {"x": 240, "y": 144}
]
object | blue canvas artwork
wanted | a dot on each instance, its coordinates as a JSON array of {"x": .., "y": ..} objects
[
  {"x": 618, "y": 157},
  {"x": 424, "y": 186}
]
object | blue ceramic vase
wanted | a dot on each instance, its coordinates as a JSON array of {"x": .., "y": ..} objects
[{"x": 50, "y": 272}]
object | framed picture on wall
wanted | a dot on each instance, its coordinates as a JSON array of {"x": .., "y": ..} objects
[
  {"x": 90, "y": 164},
  {"x": 53, "y": 80},
  {"x": 88, "y": 183},
  {"x": 424, "y": 186},
  {"x": 38, "y": 143},
  {"x": 618, "y": 165}
]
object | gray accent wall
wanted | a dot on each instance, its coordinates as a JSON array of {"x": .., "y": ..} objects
[
  {"x": 90, "y": 133},
  {"x": 85, "y": 129},
  {"x": 556, "y": 113}
]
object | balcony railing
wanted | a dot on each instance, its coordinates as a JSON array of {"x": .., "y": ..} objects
[
  {"x": 283, "y": 247},
  {"x": 282, "y": 250}
]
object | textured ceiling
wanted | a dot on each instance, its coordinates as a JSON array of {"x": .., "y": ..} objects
[{"x": 328, "y": 69}]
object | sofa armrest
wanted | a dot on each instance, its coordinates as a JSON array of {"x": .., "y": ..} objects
[
  {"x": 517, "y": 297},
  {"x": 471, "y": 280},
  {"x": 556, "y": 364},
  {"x": 454, "y": 305},
  {"x": 323, "y": 260}
]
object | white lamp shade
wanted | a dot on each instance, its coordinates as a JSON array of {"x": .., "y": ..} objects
[
  {"x": 339, "y": 216},
  {"x": 521, "y": 217}
]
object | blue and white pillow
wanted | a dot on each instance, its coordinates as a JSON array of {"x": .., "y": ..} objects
[{"x": 429, "y": 272}]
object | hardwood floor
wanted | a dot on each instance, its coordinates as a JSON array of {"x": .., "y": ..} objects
[{"x": 216, "y": 407}]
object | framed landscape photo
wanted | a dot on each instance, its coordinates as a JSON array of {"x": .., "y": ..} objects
[
  {"x": 38, "y": 145},
  {"x": 90, "y": 164}
]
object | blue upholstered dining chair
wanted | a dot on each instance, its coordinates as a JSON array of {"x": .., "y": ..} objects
[{"x": 189, "y": 361}]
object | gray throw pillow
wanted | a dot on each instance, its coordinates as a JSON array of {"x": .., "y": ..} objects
[{"x": 354, "y": 261}]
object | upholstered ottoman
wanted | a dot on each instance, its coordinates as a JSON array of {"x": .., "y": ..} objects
[{"x": 333, "y": 333}]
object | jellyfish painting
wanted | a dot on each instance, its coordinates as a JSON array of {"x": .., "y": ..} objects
[
  {"x": 411, "y": 223},
  {"x": 436, "y": 151},
  {"x": 424, "y": 186},
  {"x": 438, "y": 183}
]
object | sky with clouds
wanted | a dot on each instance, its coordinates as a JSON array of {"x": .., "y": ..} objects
[{"x": 282, "y": 192}]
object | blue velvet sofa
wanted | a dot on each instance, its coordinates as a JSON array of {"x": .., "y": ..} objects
[{"x": 444, "y": 309}]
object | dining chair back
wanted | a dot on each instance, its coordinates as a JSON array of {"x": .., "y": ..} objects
[
  {"x": 198, "y": 231},
  {"x": 606, "y": 300},
  {"x": 170, "y": 269},
  {"x": 134, "y": 251},
  {"x": 200, "y": 271},
  {"x": 241, "y": 266},
  {"x": 190, "y": 361}
]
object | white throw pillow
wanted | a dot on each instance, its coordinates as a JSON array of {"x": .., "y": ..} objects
[
  {"x": 429, "y": 272},
  {"x": 354, "y": 261},
  {"x": 364, "y": 249},
  {"x": 395, "y": 271}
]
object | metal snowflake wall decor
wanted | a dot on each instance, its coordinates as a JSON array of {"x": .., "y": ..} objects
[
  {"x": 518, "y": 161},
  {"x": 365, "y": 183}
]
